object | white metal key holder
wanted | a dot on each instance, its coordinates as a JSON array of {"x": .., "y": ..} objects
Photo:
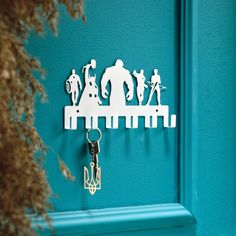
[{"x": 87, "y": 104}]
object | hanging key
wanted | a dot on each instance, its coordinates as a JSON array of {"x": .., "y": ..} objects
[
  {"x": 92, "y": 175},
  {"x": 94, "y": 149}
]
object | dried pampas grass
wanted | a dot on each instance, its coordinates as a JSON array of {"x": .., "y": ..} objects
[{"x": 23, "y": 183}]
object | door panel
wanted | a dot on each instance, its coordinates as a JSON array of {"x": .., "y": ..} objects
[
  {"x": 193, "y": 164},
  {"x": 139, "y": 165}
]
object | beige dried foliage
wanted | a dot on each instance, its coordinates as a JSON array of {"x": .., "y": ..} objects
[{"x": 23, "y": 183}]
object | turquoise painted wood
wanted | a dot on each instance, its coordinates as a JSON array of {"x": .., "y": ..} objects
[
  {"x": 216, "y": 130},
  {"x": 139, "y": 166},
  {"x": 120, "y": 219},
  {"x": 187, "y": 185}
]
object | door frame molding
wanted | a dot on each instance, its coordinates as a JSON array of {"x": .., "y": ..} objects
[
  {"x": 188, "y": 105},
  {"x": 131, "y": 218}
]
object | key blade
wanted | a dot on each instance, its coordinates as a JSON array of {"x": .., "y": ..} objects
[{"x": 94, "y": 147}]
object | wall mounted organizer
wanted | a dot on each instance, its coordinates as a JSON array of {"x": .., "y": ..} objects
[{"x": 90, "y": 107}]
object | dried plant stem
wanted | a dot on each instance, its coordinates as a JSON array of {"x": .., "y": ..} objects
[{"x": 23, "y": 183}]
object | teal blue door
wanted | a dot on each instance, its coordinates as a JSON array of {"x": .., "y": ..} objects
[{"x": 155, "y": 181}]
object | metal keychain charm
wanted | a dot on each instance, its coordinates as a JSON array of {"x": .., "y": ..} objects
[{"x": 92, "y": 178}]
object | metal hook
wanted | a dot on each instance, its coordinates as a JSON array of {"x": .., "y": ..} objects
[{"x": 100, "y": 135}]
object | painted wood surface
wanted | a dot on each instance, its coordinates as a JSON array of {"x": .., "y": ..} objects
[
  {"x": 139, "y": 166},
  {"x": 198, "y": 175}
]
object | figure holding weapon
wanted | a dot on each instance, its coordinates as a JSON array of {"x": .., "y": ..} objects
[{"x": 156, "y": 86}]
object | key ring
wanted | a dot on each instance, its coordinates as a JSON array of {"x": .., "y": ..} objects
[{"x": 99, "y": 131}]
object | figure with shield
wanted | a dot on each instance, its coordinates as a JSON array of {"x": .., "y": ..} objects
[{"x": 73, "y": 85}]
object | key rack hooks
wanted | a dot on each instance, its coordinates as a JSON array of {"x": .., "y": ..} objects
[{"x": 89, "y": 105}]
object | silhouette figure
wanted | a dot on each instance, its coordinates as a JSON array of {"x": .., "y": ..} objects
[
  {"x": 117, "y": 75},
  {"x": 155, "y": 87},
  {"x": 90, "y": 96},
  {"x": 72, "y": 86},
  {"x": 140, "y": 85}
]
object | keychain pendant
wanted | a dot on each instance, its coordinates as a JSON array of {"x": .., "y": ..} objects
[{"x": 92, "y": 180}]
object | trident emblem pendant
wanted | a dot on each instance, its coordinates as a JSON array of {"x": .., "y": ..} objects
[
  {"x": 92, "y": 181},
  {"x": 92, "y": 178}
]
